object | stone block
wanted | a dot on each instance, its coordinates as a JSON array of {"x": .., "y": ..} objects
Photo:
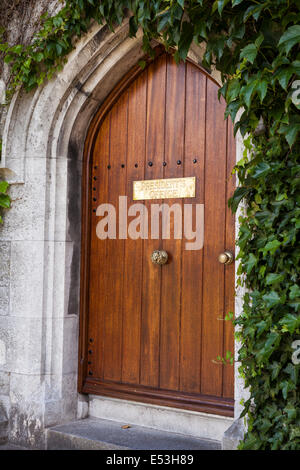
[
  {"x": 4, "y": 383},
  {"x": 21, "y": 340},
  {"x": 27, "y": 277},
  {"x": 26, "y": 218},
  {"x": 4, "y": 300},
  {"x": 233, "y": 435},
  {"x": 4, "y": 263}
]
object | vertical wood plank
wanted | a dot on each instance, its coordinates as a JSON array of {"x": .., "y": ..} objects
[
  {"x": 192, "y": 261},
  {"x": 115, "y": 248},
  {"x": 228, "y": 370},
  {"x": 149, "y": 374},
  {"x": 98, "y": 251},
  {"x": 133, "y": 267},
  {"x": 171, "y": 272},
  {"x": 213, "y": 272}
]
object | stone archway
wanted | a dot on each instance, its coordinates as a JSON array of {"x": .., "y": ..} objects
[{"x": 42, "y": 152}]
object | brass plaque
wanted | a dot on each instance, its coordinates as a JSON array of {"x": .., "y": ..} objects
[{"x": 164, "y": 189}]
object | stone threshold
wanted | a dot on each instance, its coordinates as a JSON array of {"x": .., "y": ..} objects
[
  {"x": 162, "y": 418},
  {"x": 103, "y": 434}
]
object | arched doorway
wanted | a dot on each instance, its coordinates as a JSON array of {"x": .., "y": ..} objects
[{"x": 152, "y": 333}]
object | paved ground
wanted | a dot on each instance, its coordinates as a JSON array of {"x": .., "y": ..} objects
[{"x": 9, "y": 446}]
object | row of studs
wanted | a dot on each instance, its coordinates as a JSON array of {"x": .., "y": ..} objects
[{"x": 149, "y": 164}]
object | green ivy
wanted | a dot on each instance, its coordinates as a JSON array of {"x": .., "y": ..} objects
[
  {"x": 255, "y": 46},
  {"x": 4, "y": 197},
  {"x": 269, "y": 254}
]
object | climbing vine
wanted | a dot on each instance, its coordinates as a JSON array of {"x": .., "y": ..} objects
[{"x": 255, "y": 46}]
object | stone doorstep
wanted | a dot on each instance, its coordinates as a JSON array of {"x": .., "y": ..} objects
[
  {"x": 162, "y": 418},
  {"x": 102, "y": 434}
]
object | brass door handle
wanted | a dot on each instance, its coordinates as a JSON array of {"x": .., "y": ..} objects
[
  {"x": 226, "y": 257},
  {"x": 159, "y": 257}
]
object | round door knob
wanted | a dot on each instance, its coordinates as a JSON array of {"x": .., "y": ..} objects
[
  {"x": 159, "y": 257},
  {"x": 226, "y": 257}
]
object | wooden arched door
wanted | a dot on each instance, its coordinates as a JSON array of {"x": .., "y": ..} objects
[{"x": 153, "y": 333}]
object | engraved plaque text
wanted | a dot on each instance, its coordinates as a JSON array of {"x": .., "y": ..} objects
[{"x": 164, "y": 188}]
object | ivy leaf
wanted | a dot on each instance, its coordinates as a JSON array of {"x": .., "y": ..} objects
[
  {"x": 59, "y": 48},
  {"x": 8, "y": 58},
  {"x": 233, "y": 90},
  {"x": 133, "y": 27},
  {"x": 251, "y": 442},
  {"x": 274, "y": 278},
  {"x": 39, "y": 57},
  {"x": 284, "y": 76},
  {"x": 289, "y": 39},
  {"x": 291, "y": 411},
  {"x": 285, "y": 387},
  {"x": 249, "y": 52},
  {"x": 3, "y": 47},
  {"x": 273, "y": 339},
  {"x": 219, "y": 4},
  {"x": 254, "y": 11},
  {"x": 17, "y": 49},
  {"x": 262, "y": 88},
  {"x": 271, "y": 299},
  {"x": 200, "y": 29},
  {"x": 164, "y": 20},
  {"x": 271, "y": 247},
  {"x": 186, "y": 39},
  {"x": 261, "y": 169},
  {"x": 250, "y": 263},
  {"x": 295, "y": 432},
  {"x": 291, "y": 130},
  {"x": 239, "y": 32},
  {"x": 236, "y": 2},
  {"x": 4, "y": 201},
  {"x": 238, "y": 195},
  {"x": 292, "y": 371},
  {"x": 3, "y": 186},
  {"x": 261, "y": 327},
  {"x": 259, "y": 40},
  {"x": 276, "y": 368},
  {"x": 215, "y": 6},
  {"x": 232, "y": 109},
  {"x": 142, "y": 64},
  {"x": 263, "y": 424},
  {"x": 294, "y": 292},
  {"x": 222, "y": 91},
  {"x": 290, "y": 322},
  {"x": 296, "y": 66},
  {"x": 248, "y": 91}
]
